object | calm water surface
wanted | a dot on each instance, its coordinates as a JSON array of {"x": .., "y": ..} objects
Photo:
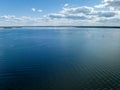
[{"x": 60, "y": 59}]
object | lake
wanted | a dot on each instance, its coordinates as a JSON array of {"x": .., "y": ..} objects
[{"x": 60, "y": 59}]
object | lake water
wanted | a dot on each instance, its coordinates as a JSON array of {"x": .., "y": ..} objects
[{"x": 60, "y": 59}]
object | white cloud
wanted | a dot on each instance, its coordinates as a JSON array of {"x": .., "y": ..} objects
[
  {"x": 40, "y": 10},
  {"x": 83, "y": 9},
  {"x": 112, "y": 4},
  {"x": 33, "y": 9},
  {"x": 100, "y": 6},
  {"x": 106, "y": 14},
  {"x": 89, "y": 15},
  {"x": 36, "y": 10},
  {"x": 82, "y": 13},
  {"x": 66, "y": 5},
  {"x": 7, "y": 16}
]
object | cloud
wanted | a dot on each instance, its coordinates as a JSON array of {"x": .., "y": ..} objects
[
  {"x": 83, "y": 9},
  {"x": 88, "y": 15},
  {"x": 33, "y": 9},
  {"x": 82, "y": 13},
  {"x": 7, "y": 16},
  {"x": 68, "y": 16},
  {"x": 55, "y": 15},
  {"x": 100, "y": 6},
  {"x": 65, "y": 5},
  {"x": 25, "y": 20},
  {"x": 106, "y": 14},
  {"x": 19, "y": 19},
  {"x": 73, "y": 13},
  {"x": 36, "y": 10},
  {"x": 22, "y": 20},
  {"x": 112, "y": 4},
  {"x": 39, "y": 10}
]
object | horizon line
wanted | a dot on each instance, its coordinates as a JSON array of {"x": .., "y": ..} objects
[{"x": 62, "y": 26}]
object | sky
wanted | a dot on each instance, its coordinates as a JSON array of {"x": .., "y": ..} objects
[{"x": 59, "y": 12}]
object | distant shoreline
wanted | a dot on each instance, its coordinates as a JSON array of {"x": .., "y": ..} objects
[{"x": 10, "y": 27}]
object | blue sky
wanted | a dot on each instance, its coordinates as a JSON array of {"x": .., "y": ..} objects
[
  {"x": 59, "y": 12},
  {"x": 23, "y": 7}
]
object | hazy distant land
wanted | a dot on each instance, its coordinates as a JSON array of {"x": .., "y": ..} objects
[{"x": 10, "y": 27}]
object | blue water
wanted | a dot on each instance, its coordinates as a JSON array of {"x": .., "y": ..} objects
[{"x": 60, "y": 59}]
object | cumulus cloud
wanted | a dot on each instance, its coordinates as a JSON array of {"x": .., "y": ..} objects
[
  {"x": 84, "y": 10},
  {"x": 106, "y": 14},
  {"x": 89, "y": 15},
  {"x": 100, "y": 6},
  {"x": 112, "y": 4},
  {"x": 81, "y": 13}
]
